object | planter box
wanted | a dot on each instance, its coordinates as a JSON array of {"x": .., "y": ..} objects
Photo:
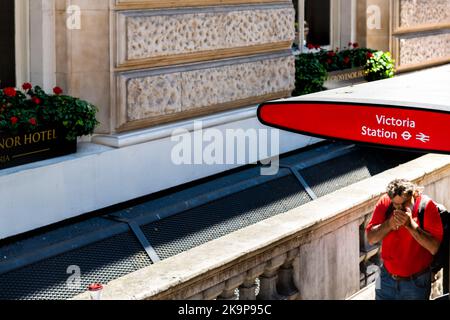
[
  {"x": 24, "y": 148},
  {"x": 344, "y": 78}
]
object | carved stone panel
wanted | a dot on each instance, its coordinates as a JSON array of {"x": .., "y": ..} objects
[
  {"x": 149, "y": 36},
  {"x": 423, "y": 12},
  {"x": 424, "y": 48},
  {"x": 152, "y": 94}
]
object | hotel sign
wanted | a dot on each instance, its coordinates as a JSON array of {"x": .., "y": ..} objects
[{"x": 34, "y": 146}]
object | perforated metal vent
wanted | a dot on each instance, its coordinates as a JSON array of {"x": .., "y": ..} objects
[
  {"x": 99, "y": 262},
  {"x": 202, "y": 224}
]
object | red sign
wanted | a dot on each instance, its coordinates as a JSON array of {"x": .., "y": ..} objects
[{"x": 399, "y": 127}]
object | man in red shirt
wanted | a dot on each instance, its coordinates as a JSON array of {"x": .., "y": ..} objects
[{"x": 407, "y": 249}]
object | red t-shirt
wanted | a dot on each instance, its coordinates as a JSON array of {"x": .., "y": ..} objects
[{"x": 402, "y": 255}]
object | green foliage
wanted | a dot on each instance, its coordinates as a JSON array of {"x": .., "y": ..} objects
[
  {"x": 344, "y": 59},
  {"x": 311, "y": 69},
  {"x": 34, "y": 109},
  {"x": 380, "y": 65},
  {"x": 310, "y": 74}
]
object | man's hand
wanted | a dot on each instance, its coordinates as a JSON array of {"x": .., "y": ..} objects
[
  {"x": 402, "y": 218},
  {"x": 425, "y": 239},
  {"x": 392, "y": 223},
  {"x": 378, "y": 232}
]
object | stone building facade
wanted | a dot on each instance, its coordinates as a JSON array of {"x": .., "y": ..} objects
[
  {"x": 151, "y": 62},
  {"x": 154, "y": 66},
  {"x": 417, "y": 32},
  {"x": 146, "y": 63}
]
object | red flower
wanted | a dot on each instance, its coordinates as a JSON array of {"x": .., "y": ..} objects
[
  {"x": 14, "y": 120},
  {"x": 355, "y": 45},
  {"x": 350, "y": 44},
  {"x": 346, "y": 60},
  {"x": 329, "y": 61},
  {"x": 331, "y": 53},
  {"x": 317, "y": 46},
  {"x": 10, "y": 92},
  {"x": 369, "y": 55},
  {"x": 32, "y": 121},
  {"x": 310, "y": 46},
  {"x": 27, "y": 86},
  {"x": 36, "y": 100},
  {"x": 57, "y": 90}
]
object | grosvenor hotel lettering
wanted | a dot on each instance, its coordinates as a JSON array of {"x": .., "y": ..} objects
[{"x": 27, "y": 139}]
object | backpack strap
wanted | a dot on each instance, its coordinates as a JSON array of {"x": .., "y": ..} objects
[{"x": 421, "y": 214}]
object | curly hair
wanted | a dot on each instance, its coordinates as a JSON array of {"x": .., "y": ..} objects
[{"x": 401, "y": 187}]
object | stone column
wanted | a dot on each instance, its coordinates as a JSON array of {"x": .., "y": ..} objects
[
  {"x": 329, "y": 266},
  {"x": 373, "y": 24},
  {"x": 82, "y": 54},
  {"x": 247, "y": 291},
  {"x": 346, "y": 15},
  {"x": 42, "y": 43},
  {"x": 269, "y": 279},
  {"x": 229, "y": 292},
  {"x": 286, "y": 286}
]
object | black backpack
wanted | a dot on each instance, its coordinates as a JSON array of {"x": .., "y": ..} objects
[{"x": 441, "y": 258}]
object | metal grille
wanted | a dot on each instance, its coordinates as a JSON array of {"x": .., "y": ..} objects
[
  {"x": 99, "y": 262},
  {"x": 343, "y": 171},
  {"x": 205, "y": 223},
  {"x": 335, "y": 174}
]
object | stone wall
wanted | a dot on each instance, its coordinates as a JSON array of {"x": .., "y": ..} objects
[
  {"x": 151, "y": 34},
  {"x": 151, "y": 4},
  {"x": 373, "y": 24},
  {"x": 420, "y": 12},
  {"x": 147, "y": 62},
  {"x": 416, "y": 32},
  {"x": 175, "y": 62},
  {"x": 424, "y": 48},
  {"x": 421, "y": 33},
  {"x": 158, "y": 93},
  {"x": 83, "y": 55}
]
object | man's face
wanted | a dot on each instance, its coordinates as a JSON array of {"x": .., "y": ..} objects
[{"x": 402, "y": 202}]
